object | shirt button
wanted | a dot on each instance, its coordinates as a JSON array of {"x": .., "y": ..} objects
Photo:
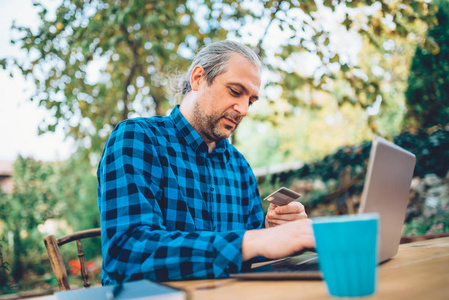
[{"x": 212, "y": 189}]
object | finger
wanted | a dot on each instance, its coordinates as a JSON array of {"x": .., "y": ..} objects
[
  {"x": 277, "y": 212},
  {"x": 272, "y": 206},
  {"x": 303, "y": 224},
  {"x": 274, "y": 218},
  {"x": 291, "y": 208},
  {"x": 271, "y": 216},
  {"x": 286, "y": 217},
  {"x": 275, "y": 222},
  {"x": 271, "y": 224}
]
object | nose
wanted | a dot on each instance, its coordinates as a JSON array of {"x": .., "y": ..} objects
[{"x": 242, "y": 107}]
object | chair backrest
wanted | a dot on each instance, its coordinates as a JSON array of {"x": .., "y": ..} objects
[{"x": 57, "y": 263}]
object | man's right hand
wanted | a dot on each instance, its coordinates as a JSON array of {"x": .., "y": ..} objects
[{"x": 279, "y": 241}]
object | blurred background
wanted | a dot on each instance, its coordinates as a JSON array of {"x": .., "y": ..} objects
[{"x": 336, "y": 74}]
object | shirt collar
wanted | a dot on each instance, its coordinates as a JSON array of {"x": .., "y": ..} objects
[{"x": 193, "y": 138}]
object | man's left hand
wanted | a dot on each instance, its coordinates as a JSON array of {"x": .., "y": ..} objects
[{"x": 277, "y": 215}]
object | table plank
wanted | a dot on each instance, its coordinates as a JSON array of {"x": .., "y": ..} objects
[{"x": 420, "y": 270}]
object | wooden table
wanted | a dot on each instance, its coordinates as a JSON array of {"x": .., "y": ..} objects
[{"x": 420, "y": 270}]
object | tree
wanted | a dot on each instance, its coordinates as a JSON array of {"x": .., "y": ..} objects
[
  {"x": 95, "y": 63},
  {"x": 45, "y": 191},
  {"x": 75, "y": 186},
  {"x": 127, "y": 44},
  {"x": 4, "y": 266},
  {"x": 428, "y": 83},
  {"x": 30, "y": 203}
]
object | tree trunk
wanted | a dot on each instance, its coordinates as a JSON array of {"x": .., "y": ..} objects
[{"x": 18, "y": 252}]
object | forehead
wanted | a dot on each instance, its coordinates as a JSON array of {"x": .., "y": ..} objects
[
  {"x": 242, "y": 70},
  {"x": 237, "y": 60}
]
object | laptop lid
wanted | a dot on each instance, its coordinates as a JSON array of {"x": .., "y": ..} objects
[{"x": 386, "y": 191}]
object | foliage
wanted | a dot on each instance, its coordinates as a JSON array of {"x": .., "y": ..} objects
[
  {"x": 428, "y": 83},
  {"x": 432, "y": 157},
  {"x": 390, "y": 69},
  {"x": 95, "y": 63},
  {"x": 30, "y": 204},
  {"x": 428, "y": 206},
  {"x": 307, "y": 135},
  {"x": 304, "y": 134},
  {"x": 4, "y": 267},
  {"x": 431, "y": 150},
  {"x": 375, "y": 21},
  {"x": 76, "y": 189},
  {"x": 46, "y": 192},
  {"x": 431, "y": 224}
]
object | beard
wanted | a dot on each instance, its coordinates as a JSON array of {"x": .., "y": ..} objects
[{"x": 209, "y": 127}]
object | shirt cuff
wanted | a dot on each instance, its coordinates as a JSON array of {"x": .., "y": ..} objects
[{"x": 228, "y": 256}]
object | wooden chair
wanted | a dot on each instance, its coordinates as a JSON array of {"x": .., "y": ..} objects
[{"x": 57, "y": 263}]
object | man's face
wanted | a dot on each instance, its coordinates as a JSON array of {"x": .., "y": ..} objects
[{"x": 221, "y": 106}]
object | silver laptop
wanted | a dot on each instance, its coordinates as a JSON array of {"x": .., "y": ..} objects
[{"x": 386, "y": 192}]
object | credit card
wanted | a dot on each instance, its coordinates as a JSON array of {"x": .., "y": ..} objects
[{"x": 283, "y": 196}]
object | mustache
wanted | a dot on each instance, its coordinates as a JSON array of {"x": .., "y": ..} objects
[{"x": 233, "y": 116}]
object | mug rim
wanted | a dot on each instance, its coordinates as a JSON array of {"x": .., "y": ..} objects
[{"x": 345, "y": 218}]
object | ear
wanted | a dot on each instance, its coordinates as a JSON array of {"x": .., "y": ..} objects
[{"x": 196, "y": 77}]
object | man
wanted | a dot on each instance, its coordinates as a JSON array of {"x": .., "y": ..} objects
[{"x": 176, "y": 200}]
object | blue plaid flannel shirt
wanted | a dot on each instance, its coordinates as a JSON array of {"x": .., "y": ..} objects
[{"x": 169, "y": 209}]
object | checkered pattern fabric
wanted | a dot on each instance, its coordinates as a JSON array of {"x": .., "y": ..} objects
[{"x": 169, "y": 209}]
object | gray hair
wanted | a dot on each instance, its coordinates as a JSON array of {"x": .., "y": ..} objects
[{"x": 214, "y": 59}]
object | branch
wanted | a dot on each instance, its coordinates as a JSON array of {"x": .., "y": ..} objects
[
  {"x": 259, "y": 44},
  {"x": 133, "y": 46},
  {"x": 343, "y": 189}
]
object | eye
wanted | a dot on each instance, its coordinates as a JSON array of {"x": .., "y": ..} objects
[{"x": 234, "y": 93}]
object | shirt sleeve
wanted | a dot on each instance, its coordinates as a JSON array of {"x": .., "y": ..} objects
[
  {"x": 255, "y": 215},
  {"x": 135, "y": 241}
]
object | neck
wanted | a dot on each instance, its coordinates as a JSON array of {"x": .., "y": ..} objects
[
  {"x": 211, "y": 146},
  {"x": 186, "y": 108}
]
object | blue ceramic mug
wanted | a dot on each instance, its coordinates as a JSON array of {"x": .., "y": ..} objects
[{"x": 347, "y": 248}]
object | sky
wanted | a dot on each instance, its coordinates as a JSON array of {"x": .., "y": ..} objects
[{"x": 19, "y": 118}]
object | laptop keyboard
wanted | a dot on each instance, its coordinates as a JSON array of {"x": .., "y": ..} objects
[{"x": 291, "y": 264}]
